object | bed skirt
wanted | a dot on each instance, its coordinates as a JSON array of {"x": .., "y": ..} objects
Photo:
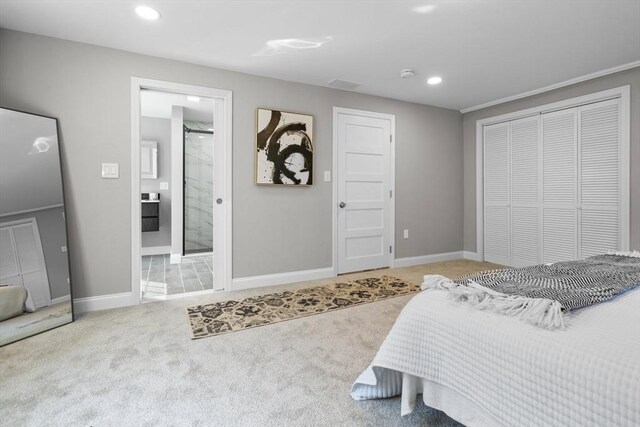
[{"x": 438, "y": 396}]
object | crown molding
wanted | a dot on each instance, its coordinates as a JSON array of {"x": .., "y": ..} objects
[{"x": 554, "y": 86}]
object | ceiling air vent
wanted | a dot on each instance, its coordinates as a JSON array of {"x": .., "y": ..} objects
[{"x": 343, "y": 84}]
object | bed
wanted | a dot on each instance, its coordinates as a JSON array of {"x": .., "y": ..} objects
[
  {"x": 487, "y": 369},
  {"x": 14, "y": 300}
]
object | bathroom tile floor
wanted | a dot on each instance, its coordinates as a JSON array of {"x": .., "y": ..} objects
[{"x": 159, "y": 278}]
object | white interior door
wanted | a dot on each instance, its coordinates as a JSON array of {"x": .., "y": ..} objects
[
  {"x": 22, "y": 260},
  {"x": 496, "y": 194},
  {"x": 559, "y": 185},
  {"x": 599, "y": 211},
  {"x": 525, "y": 214},
  {"x": 364, "y": 195}
]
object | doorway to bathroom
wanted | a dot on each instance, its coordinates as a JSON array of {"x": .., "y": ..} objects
[{"x": 181, "y": 190}]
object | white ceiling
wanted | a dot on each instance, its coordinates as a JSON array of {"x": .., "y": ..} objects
[
  {"x": 158, "y": 104},
  {"x": 484, "y": 50}
]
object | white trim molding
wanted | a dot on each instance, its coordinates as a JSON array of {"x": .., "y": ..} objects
[
  {"x": 60, "y": 299},
  {"x": 102, "y": 302},
  {"x": 472, "y": 256},
  {"x": 43, "y": 208},
  {"x": 554, "y": 86},
  {"x": 223, "y": 145},
  {"x": 428, "y": 259},
  {"x": 282, "y": 278},
  {"x": 155, "y": 250},
  {"x": 622, "y": 92}
]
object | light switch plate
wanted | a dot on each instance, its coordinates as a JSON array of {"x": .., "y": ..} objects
[
  {"x": 327, "y": 176},
  {"x": 110, "y": 170},
  {"x": 406, "y": 234},
  {"x": 164, "y": 185}
]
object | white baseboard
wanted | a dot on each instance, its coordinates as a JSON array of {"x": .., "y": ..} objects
[
  {"x": 427, "y": 259},
  {"x": 473, "y": 256},
  {"x": 60, "y": 299},
  {"x": 155, "y": 250},
  {"x": 281, "y": 278},
  {"x": 102, "y": 302},
  {"x": 175, "y": 259}
]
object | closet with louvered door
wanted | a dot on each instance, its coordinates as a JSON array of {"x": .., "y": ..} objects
[
  {"x": 559, "y": 185},
  {"x": 554, "y": 186},
  {"x": 525, "y": 212},
  {"x": 599, "y": 178},
  {"x": 496, "y": 193}
]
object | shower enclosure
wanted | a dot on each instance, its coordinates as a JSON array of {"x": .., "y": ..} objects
[{"x": 198, "y": 187}]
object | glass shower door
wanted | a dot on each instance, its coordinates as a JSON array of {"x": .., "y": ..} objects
[{"x": 198, "y": 188}]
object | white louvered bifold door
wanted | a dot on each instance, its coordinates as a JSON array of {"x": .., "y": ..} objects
[
  {"x": 599, "y": 178},
  {"x": 496, "y": 193},
  {"x": 525, "y": 221},
  {"x": 559, "y": 186}
]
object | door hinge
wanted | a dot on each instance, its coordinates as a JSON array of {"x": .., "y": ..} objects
[
  {"x": 390, "y": 138},
  {"x": 390, "y": 194},
  {"x": 390, "y": 249}
]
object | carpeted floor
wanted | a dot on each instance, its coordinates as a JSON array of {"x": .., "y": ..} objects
[{"x": 137, "y": 366}]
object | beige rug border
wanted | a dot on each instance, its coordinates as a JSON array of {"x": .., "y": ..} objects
[{"x": 302, "y": 316}]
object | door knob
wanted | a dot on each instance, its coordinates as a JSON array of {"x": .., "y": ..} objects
[
  {"x": 219, "y": 201},
  {"x": 342, "y": 205}
]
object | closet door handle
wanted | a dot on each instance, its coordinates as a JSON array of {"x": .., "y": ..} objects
[{"x": 219, "y": 201}]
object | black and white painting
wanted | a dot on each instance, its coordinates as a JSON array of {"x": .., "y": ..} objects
[{"x": 284, "y": 148}]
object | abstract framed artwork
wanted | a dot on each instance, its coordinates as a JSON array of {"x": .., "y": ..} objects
[{"x": 284, "y": 148}]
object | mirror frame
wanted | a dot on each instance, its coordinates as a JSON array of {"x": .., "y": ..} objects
[{"x": 66, "y": 222}]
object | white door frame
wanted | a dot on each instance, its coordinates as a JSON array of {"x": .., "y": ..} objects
[
  {"x": 392, "y": 180},
  {"x": 223, "y": 110},
  {"x": 622, "y": 92}
]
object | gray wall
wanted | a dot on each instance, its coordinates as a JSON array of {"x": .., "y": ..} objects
[
  {"x": 628, "y": 77},
  {"x": 88, "y": 89},
  {"x": 159, "y": 130},
  {"x": 53, "y": 238}
]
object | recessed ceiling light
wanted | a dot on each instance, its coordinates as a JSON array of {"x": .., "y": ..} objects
[
  {"x": 210, "y": 129},
  {"x": 435, "y": 80},
  {"x": 193, "y": 98},
  {"x": 201, "y": 137},
  {"x": 146, "y": 12}
]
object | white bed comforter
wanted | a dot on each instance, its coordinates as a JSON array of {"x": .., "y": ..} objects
[{"x": 513, "y": 373}]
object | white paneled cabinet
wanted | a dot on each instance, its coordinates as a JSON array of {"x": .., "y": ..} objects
[{"x": 553, "y": 185}]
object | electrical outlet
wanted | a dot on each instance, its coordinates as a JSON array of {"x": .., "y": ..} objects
[
  {"x": 164, "y": 185},
  {"x": 406, "y": 234}
]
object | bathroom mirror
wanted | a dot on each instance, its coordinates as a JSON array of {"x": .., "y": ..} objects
[
  {"x": 149, "y": 159},
  {"x": 35, "y": 285}
]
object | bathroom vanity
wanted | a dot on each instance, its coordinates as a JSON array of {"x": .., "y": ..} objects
[{"x": 150, "y": 212}]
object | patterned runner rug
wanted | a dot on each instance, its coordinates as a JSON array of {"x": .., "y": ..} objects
[{"x": 228, "y": 316}]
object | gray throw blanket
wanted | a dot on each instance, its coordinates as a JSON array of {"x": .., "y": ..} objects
[{"x": 540, "y": 294}]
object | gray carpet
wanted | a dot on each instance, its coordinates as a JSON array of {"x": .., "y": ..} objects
[{"x": 137, "y": 366}]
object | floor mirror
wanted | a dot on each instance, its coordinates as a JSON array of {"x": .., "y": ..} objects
[{"x": 35, "y": 284}]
